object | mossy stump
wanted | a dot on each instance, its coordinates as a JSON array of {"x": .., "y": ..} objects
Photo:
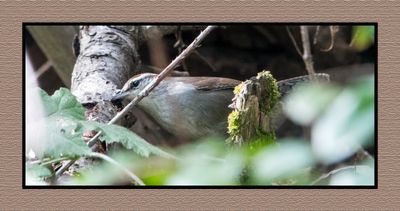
[{"x": 254, "y": 100}]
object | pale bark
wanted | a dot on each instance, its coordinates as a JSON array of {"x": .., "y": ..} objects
[{"x": 107, "y": 58}]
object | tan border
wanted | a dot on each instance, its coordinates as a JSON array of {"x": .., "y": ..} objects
[{"x": 12, "y": 13}]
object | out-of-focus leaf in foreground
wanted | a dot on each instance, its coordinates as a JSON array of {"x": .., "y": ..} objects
[
  {"x": 342, "y": 119},
  {"x": 279, "y": 162},
  {"x": 35, "y": 174},
  {"x": 347, "y": 124},
  {"x": 363, "y": 37},
  {"x": 208, "y": 163}
]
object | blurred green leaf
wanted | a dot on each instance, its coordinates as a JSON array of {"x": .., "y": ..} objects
[
  {"x": 276, "y": 163},
  {"x": 101, "y": 174},
  {"x": 307, "y": 102},
  {"x": 35, "y": 174},
  {"x": 363, "y": 37},
  {"x": 208, "y": 163},
  {"x": 357, "y": 175},
  {"x": 37, "y": 170},
  {"x": 347, "y": 124}
]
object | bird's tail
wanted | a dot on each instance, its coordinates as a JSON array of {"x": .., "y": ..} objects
[{"x": 285, "y": 86}]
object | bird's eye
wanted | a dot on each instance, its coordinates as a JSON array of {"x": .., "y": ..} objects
[{"x": 135, "y": 84}]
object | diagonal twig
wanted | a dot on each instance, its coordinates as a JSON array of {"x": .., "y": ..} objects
[
  {"x": 293, "y": 40},
  {"x": 146, "y": 91}
]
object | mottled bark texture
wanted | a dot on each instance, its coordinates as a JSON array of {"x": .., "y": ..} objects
[{"x": 107, "y": 58}]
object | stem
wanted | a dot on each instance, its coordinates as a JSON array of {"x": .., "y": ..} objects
[
  {"x": 123, "y": 168},
  {"x": 335, "y": 171},
  {"x": 196, "y": 42},
  {"x": 293, "y": 40},
  {"x": 54, "y": 161},
  {"x": 307, "y": 56}
]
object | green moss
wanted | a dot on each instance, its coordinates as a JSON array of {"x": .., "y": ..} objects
[
  {"x": 271, "y": 95},
  {"x": 233, "y": 123}
]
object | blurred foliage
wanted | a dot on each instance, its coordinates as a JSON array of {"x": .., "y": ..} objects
[
  {"x": 35, "y": 173},
  {"x": 363, "y": 37},
  {"x": 342, "y": 119}
]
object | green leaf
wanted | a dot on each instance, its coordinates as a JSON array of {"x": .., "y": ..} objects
[
  {"x": 37, "y": 171},
  {"x": 36, "y": 174},
  {"x": 208, "y": 163},
  {"x": 62, "y": 103},
  {"x": 65, "y": 124},
  {"x": 289, "y": 158},
  {"x": 50, "y": 107},
  {"x": 128, "y": 139},
  {"x": 64, "y": 131},
  {"x": 354, "y": 175},
  {"x": 308, "y": 102},
  {"x": 68, "y": 106}
]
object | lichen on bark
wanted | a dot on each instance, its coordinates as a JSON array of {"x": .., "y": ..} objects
[{"x": 107, "y": 58}]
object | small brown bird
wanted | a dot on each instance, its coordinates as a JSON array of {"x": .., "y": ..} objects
[{"x": 191, "y": 107}]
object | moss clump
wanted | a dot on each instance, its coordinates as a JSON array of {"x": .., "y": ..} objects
[
  {"x": 255, "y": 100},
  {"x": 234, "y": 123},
  {"x": 271, "y": 94}
]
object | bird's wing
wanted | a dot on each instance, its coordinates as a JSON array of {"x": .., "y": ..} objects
[
  {"x": 210, "y": 83},
  {"x": 285, "y": 86}
]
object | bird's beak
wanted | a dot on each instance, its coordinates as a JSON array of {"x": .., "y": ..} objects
[{"x": 119, "y": 95}]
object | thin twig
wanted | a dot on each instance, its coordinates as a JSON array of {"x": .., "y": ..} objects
[
  {"x": 335, "y": 171},
  {"x": 53, "y": 161},
  {"x": 44, "y": 68},
  {"x": 293, "y": 41},
  {"x": 196, "y": 42},
  {"x": 333, "y": 30},
  {"x": 265, "y": 33},
  {"x": 307, "y": 56},
  {"x": 123, "y": 168},
  {"x": 316, "y": 34}
]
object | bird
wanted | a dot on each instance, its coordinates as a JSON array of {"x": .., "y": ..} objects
[{"x": 191, "y": 107}]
